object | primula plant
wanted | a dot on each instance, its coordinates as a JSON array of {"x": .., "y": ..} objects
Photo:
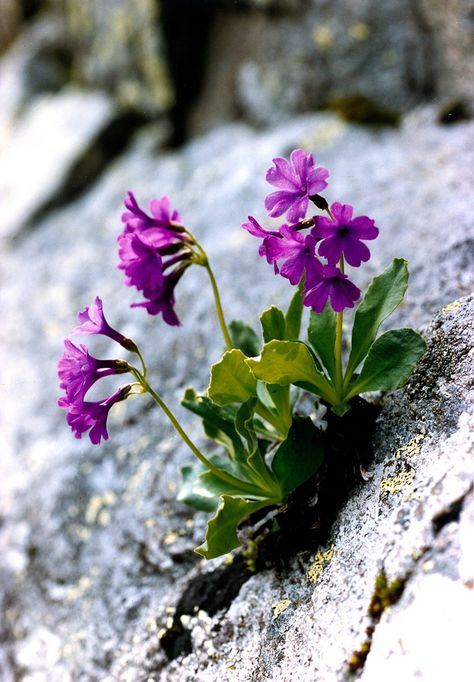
[{"x": 267, "y": 449}]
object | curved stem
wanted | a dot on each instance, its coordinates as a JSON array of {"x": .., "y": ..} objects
[
  {"x": 241, "y": 485},
  {"x": 219, "y": 310},
  {"x": 203, "y": 260}
]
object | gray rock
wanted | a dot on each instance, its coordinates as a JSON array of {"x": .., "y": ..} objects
[
  {"x": 34, "y": 162},
  {"x": 96, "y": 552},
  {"x": 117, "y": 46},
  {"x": 268, "y": 66}
]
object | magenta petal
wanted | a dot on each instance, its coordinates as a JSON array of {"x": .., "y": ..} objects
[
  {"x": 256, "y": 230},
  {"x": 316, "y": 181},
  {"x": 343, "y": 293},
  {"x": 279, "y": 202},
  {"x": 355, "y": 252},
  {"x": 282, "y": 175},
  {"x": 317, "y": 297},
  {"x": 341, "y": 212},
  {"x": 298, "y": 209},
  {"x": 363, "y": 227},
  {"x": 330, "y": 249},
  {"x": 323, "y": 227},
  {"x": 300, "y": 162}
]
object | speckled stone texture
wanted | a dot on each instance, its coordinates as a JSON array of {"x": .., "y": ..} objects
[
  {"x": 96, "y": 556},
  {"x": 266, "y": 66}
]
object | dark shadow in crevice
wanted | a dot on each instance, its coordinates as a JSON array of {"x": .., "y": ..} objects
[
  {"x": 306, "y": 521},
  {"x": 302, "y": 525},
  {"x": 186, "y": 26},
  {"x": 210, "y": 592},
  {"x": 450, "y": 514},
  {"x": 29, "y": 8}
]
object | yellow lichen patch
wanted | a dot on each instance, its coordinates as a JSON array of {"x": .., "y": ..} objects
[
  {"x": 413, "y": 496},
  {"x": 79, "y": 590},
  {"x": 451, "y": 306},
  {"x": 82, "y": 533},
  {"x": 410, "y": 449},
  {"x": 394, "y": 484},
  {"x": 359, "y": 31},
  {"x": 170, "y": 537},
  {"x": 95, "y": 512},
  {"x": 317, "y": 567},
  {"x": 323, "y": 37},
  {"x": 280, "y": 606}
]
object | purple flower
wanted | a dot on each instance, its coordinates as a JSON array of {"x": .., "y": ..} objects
[
  {"x": 333, "y": 285},
  {"x": 82, "y": 416},
  {"x": 143, "y": 246},
  {"x": 92, "y": 321},
  {"x": 162, "y": 216},
  {"x": 297, "y": 251},
  {"x": 162, "y": 300},
  {"x": 298, "y": 180},
  {"x": 78, "y": 370},
  {"x": 342, "y": 237},
  {"x": 256, "y": 230},
  {"x": 141, "y": 257}
]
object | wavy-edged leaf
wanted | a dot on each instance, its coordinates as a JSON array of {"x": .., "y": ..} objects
[
  {"x": 231, "y": 380},
  {"x": 322, "y": 337},
  {"x": 194, "y": 492},
  {"x": 299, "y": 456},
  {"x": 244, "y": 338},
  {"x": 218, "y": 423},
  {"x": 221, "y": 535},
  {"x": 290, "y": 362},
  {"x": 384, "y": 294},
  {"x": 273, "y": 324},
  {"x": 390, "y": 361},
  {"x": 293, "y": 317}
]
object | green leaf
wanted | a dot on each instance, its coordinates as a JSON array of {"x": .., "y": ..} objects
[
  {"x": 322, "y": 337},
  {"x": 289, "y": 362},
  {"x": 389, "y": 362},
  {"x": 244, "y": 338},
  {"x": 273, "y": 324},
  {"x": 194, "y": 493},
  {"x": 221, "y": 535},
  {"x": 231, "y": 379},
  {"x": 244, "y": 423},
  {"x": 293, "y": 317},
  {"x": 384, "y": 294},
  {"x": 218, "y": 423},
  {"x": 299, "y": 456}
]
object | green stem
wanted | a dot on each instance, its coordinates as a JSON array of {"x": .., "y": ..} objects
[
  {"x": 223, "y": 475},
  {"x": 219, "y": 310},
  {"x": 339, "y": 383},
  {"x": 265, "y": 413},
  {"x": 202, "y": 259}
]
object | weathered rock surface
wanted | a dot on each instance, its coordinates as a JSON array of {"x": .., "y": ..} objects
[
  {"x": 264, "y": 60},
  {"x": 34, "y": 162},
  {"x": 117, "y": 46},
  {"x": 266, "y": 66},
  {"x": 95, "y": 553}
]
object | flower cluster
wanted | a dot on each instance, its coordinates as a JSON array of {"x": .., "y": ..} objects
[
  {"x": 149, "y": 248},
  {"x": 78, "y": 371},
  {"x": 337, "y": 239}
]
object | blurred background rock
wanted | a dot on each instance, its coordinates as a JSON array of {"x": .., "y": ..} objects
[{"x": 204, "y": 62}]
